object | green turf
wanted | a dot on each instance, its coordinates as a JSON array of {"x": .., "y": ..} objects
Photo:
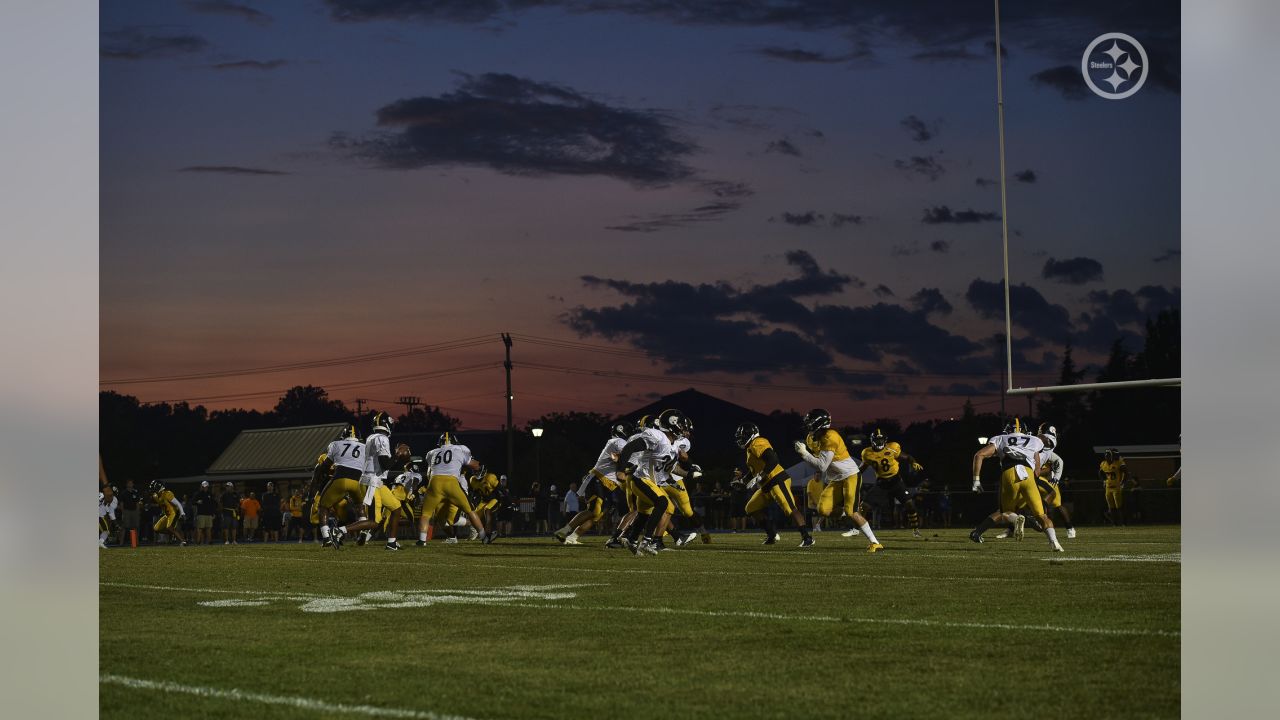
[{"x": 760, "y": 632}]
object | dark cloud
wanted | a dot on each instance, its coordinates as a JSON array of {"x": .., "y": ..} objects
[
  {"x": 1156, "y": 299},
  {"x": 926, "y": 165},
  {"x": 765, "y": 329},
  {"x": 961, "y": 53},
  {"x": 1075, "y": 271},
  {"x": 138, "y": 44},
  {"x": 940, "y": 246},
  {"x": 250, "y": 65},
  {"x": 222, "y": 7},
  {"x": 1130, "y": 308},
  {"x": 1028, "y": 309},
  {"x": 930, "y": 300},
  {"x": 990, "y": 387},
  {"x": 842, "y": 219},
  {"x": 797, "y": 55},
  {"x": 520, "y": 126},
  {"x": 905, "y": 250},
  {"x": 1167, "y": 255},
  {"x": 985, "y": 182},
  {"x": 726, "y": 197},
  {"x": 1097, "y": 332},
  {"x": 882, "y": 291},
  {"x": 1025, "y": 176},
  {"x": 230, "y": 170},
  {"x": 804, "y": 219},
  {"x": 783, "y": 146},
  {"x": 942, "y": 214},
  {"x": 1066, "y": 79},
  {"x": 918, "y": 129}
]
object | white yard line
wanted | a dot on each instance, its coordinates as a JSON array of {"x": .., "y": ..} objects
[
  {"x": 293, "y": 701},
  {"x": 432, "y": 563},
  {"x": 748, "y": 614}
]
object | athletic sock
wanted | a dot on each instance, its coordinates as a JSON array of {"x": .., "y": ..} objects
[
  {"x": 1053, "y": 536},
  {"x": 866, "y": 530},
  {"x": 1010, "y": 518},
  {"x": 324, "y": 531},
  {"x": 422, "y": 537}
]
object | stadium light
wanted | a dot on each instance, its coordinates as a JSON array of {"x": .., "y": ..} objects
[{"x": 537, "y": 432}]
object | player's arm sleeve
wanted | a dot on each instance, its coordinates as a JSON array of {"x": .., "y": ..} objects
[
  {"x": 770, "y": 458},
  {"x": 624, "y": 455},
  {"x": 178, "y": 505}
]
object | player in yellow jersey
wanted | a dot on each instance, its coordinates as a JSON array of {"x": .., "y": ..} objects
[
  {"x": 890, "y": 462},
  {"x": 171, "y": 511},
  {"x": 1114, "y": 476},
  {"x": 838, "y": 480},
  {"x": 771, "y": 483},
  {"x": 485, "y": 487}
]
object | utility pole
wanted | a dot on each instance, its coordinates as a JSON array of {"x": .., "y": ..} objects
[
  {"x": 511, "y": 437},
  {"x": 409, "y": 402},
  {"x": 360, "y": 406}
]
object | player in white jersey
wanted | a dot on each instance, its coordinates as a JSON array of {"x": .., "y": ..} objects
[
  {"x": 108, "y": 505},
  {"x": 446, "y": 483},
  {"x": 1020, "y": 460},
  {"x": 337, "y": 477},
  {"x": 626, "y": 491},
  {"x": 375, "y": 497},
  {"x": 597, "y": 487},
  {"x": 643, "y": 459},
  {"x": 677, "y": 470}
]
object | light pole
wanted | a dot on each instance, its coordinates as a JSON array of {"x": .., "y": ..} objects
[{"x": 537, "y": 454}]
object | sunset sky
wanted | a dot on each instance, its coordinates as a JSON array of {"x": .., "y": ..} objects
[{"x": 785, "y": 204}]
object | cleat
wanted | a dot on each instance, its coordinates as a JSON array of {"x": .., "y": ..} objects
[
  {"x": 1019, "y": 528},
  {"x": 184, "y": 543},
  {"x": 451, "y": 541},
  {"x": 393, "y": 545},
  {"x": 421, "y": 543},
  {"x": 637, "y": 548},
  {"x": 102, "y": 545},
  {"x": 874, "y": 548},
  {"x": 613, "y": 544},
  {"x": 328, "y": 542},
  {"x": 363, "y": 538},
  {"x": 651, "y": 547},
  {"x": 1071, "y": 533},
  {"x": 915, "y": 532},
  {"x": 572, "y": 540},
  {"x": 473, "y": 534},
  {"x": 560, "y": 536},
  {"x": 1057, "y": 547},
  {"x": 976, "y": 537},
  {"x": 851, "y": 533},
  {"x": 807, "y": 542},
  {"x": 626, "y": 544},
  {"x": 1004, "y": 534},
  {"x": 706, "y": 538},
  {"x": 689, "y": 537},
  {"x": 490, "y": 536},
  {"x": 770, "y": 540},
  {"x": 335, "y": 538}
]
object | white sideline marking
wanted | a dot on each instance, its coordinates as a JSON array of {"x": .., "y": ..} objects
[
  {"x": 507, "y": 602},
  {"x": 1168, "y": 558},
  {"x": 301, "y": 703},
  {"x": 643, "y": 571}
]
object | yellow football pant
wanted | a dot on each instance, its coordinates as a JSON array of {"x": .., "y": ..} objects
[
  {"x": 841, "y": 493},
  {"x": 1017, "y": 489},
  {"x": 1049, "y": 492},
  {"x": 340, "y": 489},
  {"x": 645, "y": 491},
  {"x": 167, "y": 521},
  {"x": 779, "y": 491},
  {"x": 383, "y": 499},
  {"x": 444, "y": 488},
  {"x": 678, "y": 498},
  {"x": 1115, "y": 497}
]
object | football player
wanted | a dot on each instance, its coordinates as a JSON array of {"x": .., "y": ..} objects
[
  {"x": 598, "y": 486},
  {"x": 172, "y": 512},
  {"x": 403, "y": 488},
  {"x": 674, "y": 474},
  {"x": 770, "y": 481},
  {"x": 641, "y": 460},
  {"x": 620, "y": 537},
  {"x": 889, "y": 462},
  {"x": 485, "y": 489},
  {"x": 1048, "y": 482},
  {"x": 337, "y": 479},
  {"x": 1114, "y": 475},
  {"x": 445, "y": 484},
  {"x": 838, "y": 477},
  {"x": 1020, "y": 460},
  {"x": 108, "y": 505},
  {"x": 373, "y": 493}
]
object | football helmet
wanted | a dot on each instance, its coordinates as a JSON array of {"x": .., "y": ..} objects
[
  {"x": 745, "y": 433},
  {"x": 644, "y": 422},
  {"x": 382, "y": 422},
  {"x": 447, "y": 438},
  {"x": 878, "y": 439},
  {"x": 348, "y": 432},
  {"x": 672, "y": 421},
  {"x": 1049, "y": 434},
  {"x": 817, "y": 419},
  {"x": 622, "y": 429},
  {"x": 1013, "y": 426},
  {"x": 155, "y": 486},
  {"x": 1111, "y": 455}
]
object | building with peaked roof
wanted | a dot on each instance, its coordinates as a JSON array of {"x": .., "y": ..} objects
[{"x": 268, "y": 454}]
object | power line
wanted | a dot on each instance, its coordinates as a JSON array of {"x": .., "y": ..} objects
[{"x": 312, "y": 364}]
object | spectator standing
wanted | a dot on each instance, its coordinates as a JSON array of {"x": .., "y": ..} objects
[
  {"x": 572, "y": 503},
  {"x": 130, "y": 510},
  {"x": 250, "y": 511},
  {"x": 230, "y": 502},
  {"x": 297, "y": 523},
  {"x": 205, "y": 507},
  {"x": 553, "y": 508},
  {"x": 539, "y": 508},
  {"x": 944, "y": 507},
  {"x": 506, "y": 507},
  {"x": 271, "y": 514}
]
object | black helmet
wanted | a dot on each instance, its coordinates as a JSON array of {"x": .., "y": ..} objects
[
  {"x": 817, "y": 419},
  {"x": 877, "y": 439},
  {"x": 348, "y": 432},
  {"x": 155, "y": 486},
  {"x": 674, "y": 422},
  {"x": 382, "y": 422},
  {"x": 622, "y": 429},
  {"x": 447, "y": 438},
  {"x": 745, "y": 433}
]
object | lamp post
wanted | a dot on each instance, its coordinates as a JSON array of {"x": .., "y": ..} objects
[{"x": 537, "y": 453}]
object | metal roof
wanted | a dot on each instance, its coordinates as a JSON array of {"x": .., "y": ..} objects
[{"x": 275, "y": 449}]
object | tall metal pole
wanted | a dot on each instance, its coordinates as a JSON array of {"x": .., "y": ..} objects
[
  {"x": 511, "y": 438},
  {"x": 1004, "y": 213}
]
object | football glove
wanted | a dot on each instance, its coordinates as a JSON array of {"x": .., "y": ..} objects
[
  {"x": 696, "y": 471},
  {"x": 977, "y": 484}
]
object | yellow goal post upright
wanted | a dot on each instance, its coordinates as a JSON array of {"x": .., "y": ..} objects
[{"x": 1004, "y": 236}]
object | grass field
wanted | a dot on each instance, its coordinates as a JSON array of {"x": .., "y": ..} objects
[{"x": 526, "y": 628}]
